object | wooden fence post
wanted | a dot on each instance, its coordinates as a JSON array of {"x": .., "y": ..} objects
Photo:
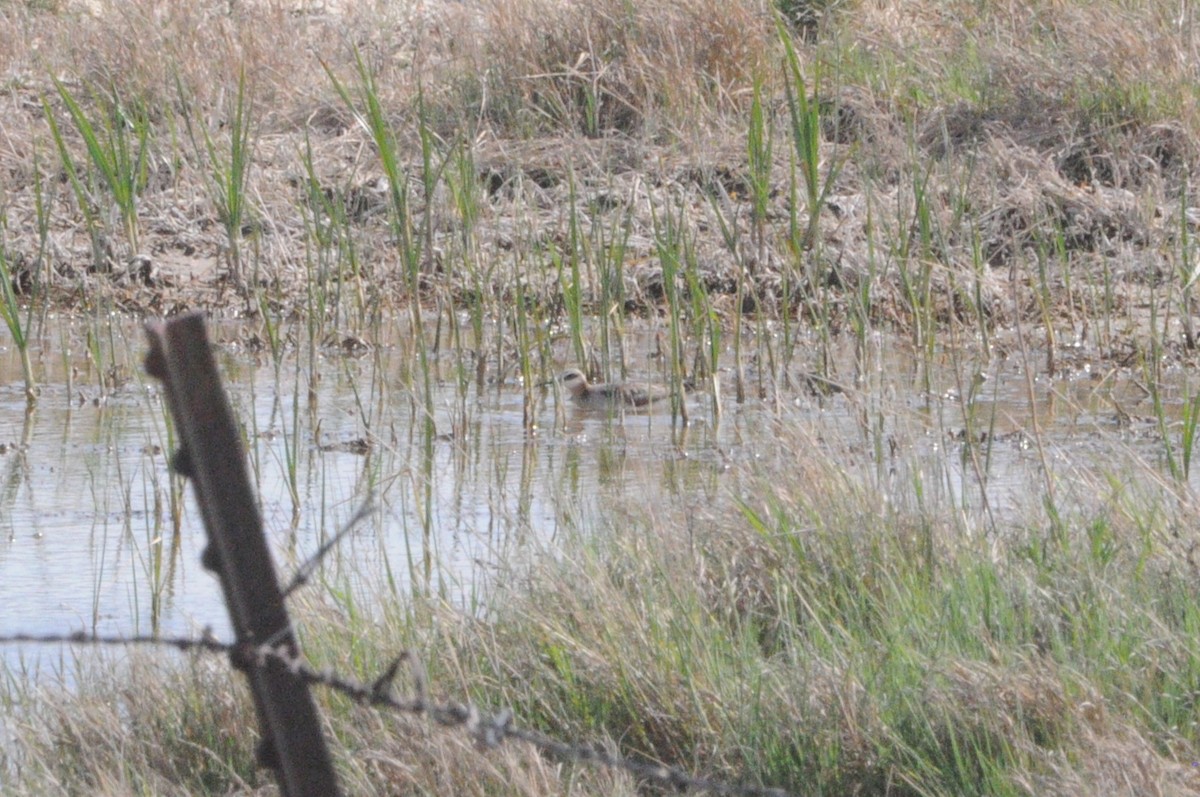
[{"x": 212, "y": 456}]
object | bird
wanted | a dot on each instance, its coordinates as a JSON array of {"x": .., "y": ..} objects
[{"x": 610, "y": 394}]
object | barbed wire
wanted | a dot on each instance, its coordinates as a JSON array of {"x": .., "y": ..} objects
[
  {"x": 487, "y": 730},
  {"x": 305, "y": 571}
]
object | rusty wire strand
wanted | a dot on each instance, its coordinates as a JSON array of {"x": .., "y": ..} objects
[
  {"x": 305, "y": 571},
  {"x": 488, "y": 730}
]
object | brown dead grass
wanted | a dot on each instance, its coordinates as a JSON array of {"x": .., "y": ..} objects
[
  {"x": 1062, "y": 127},
  {"x": 616, "y": 67}
]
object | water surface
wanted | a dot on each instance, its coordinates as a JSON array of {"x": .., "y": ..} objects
[{"x": 91, "y": 538}]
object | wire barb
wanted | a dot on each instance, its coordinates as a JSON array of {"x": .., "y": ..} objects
[{"x": 381, "y": 689}]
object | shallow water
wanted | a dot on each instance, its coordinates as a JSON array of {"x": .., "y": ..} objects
[{"x": 87, "y": 540}]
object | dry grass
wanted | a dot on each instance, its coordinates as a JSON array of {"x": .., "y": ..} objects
[
  {"x": 144, "y": 724},
  {"x": 1018, "y": 127},
  {"x": 645, "y": 70},
  {"x": 159, "y": 728}
]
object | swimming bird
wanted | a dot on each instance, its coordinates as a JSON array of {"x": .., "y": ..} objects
[{"x": 610, "y": 394}]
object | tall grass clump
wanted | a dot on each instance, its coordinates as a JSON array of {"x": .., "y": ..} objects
[
  {"x": 413, "y": 245},
  {"x": 228, "y": 168},
  {"x": 191, "y": 717},
  {"x": 332, "y": 256},
  {"x": 672, "y": 245},
  {"x": 827, "y": 642},
  {"x": 115, "y": 138},
  {"x": 804, "y": 118}
]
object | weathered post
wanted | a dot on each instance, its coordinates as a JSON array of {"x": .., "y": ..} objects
[{"x": 211, "y": 455}]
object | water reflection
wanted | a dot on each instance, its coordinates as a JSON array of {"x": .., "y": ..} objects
[{"x": 95, "y": 535}]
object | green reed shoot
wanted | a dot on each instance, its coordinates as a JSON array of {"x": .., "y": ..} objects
[
  {"x": 372, "y": 118},
  {"x": 759, "y": 145},
  {"x": 805, "y": 117},
  {"x": 165, "y": 431},
  {"x": 706, "y": 321},
  {"x": 864, "y": 298},
  {"x": 1152, "y": 378},
  {"x": 228, "y": 170},
  {"x": 979, "y": 269},
  {"x": 670, "y": 243},
  {"x": 1187, "y": 442},
  {"x": 726, "y": 217},
  {"x": 271, "y": 331},
  {"x": 157, "y": 560},
  {"x": 433, "y": 169},
  {"x": 530, "y": 327},
  {"x": 739, "y": 363},
  {"x": 607, "y": 325},
  {"x": 18, "y": 320},
  {"x": 420, "y": 256},
  {"x": 336, "y": 256},
  {"x": 291, "y": 447},
  {"x": 1178, "y": 461},
  {"x": 367, "y": 107},
  {"x": 43, "y": 201},
  {"x": 1045, "y": 300},
  {"x": 83, "y": 196},
  {"x": 463, "y": 185},
  {"x": 116, "y": 144},
  {"x": 606, "y": 251},
  {"x": 759, "y": 149},
  {"x": 416, "y": 257},
  {"x": 570, "y": 276},
  {"x": 320, "y": 258},
  {"x": 95, "y": 353},
  {"x": 1188, "y": 272},
  {"x": 914, "y": 257}
]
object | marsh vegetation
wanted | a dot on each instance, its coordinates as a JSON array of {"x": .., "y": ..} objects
[{"x": 924, "y": 272}]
